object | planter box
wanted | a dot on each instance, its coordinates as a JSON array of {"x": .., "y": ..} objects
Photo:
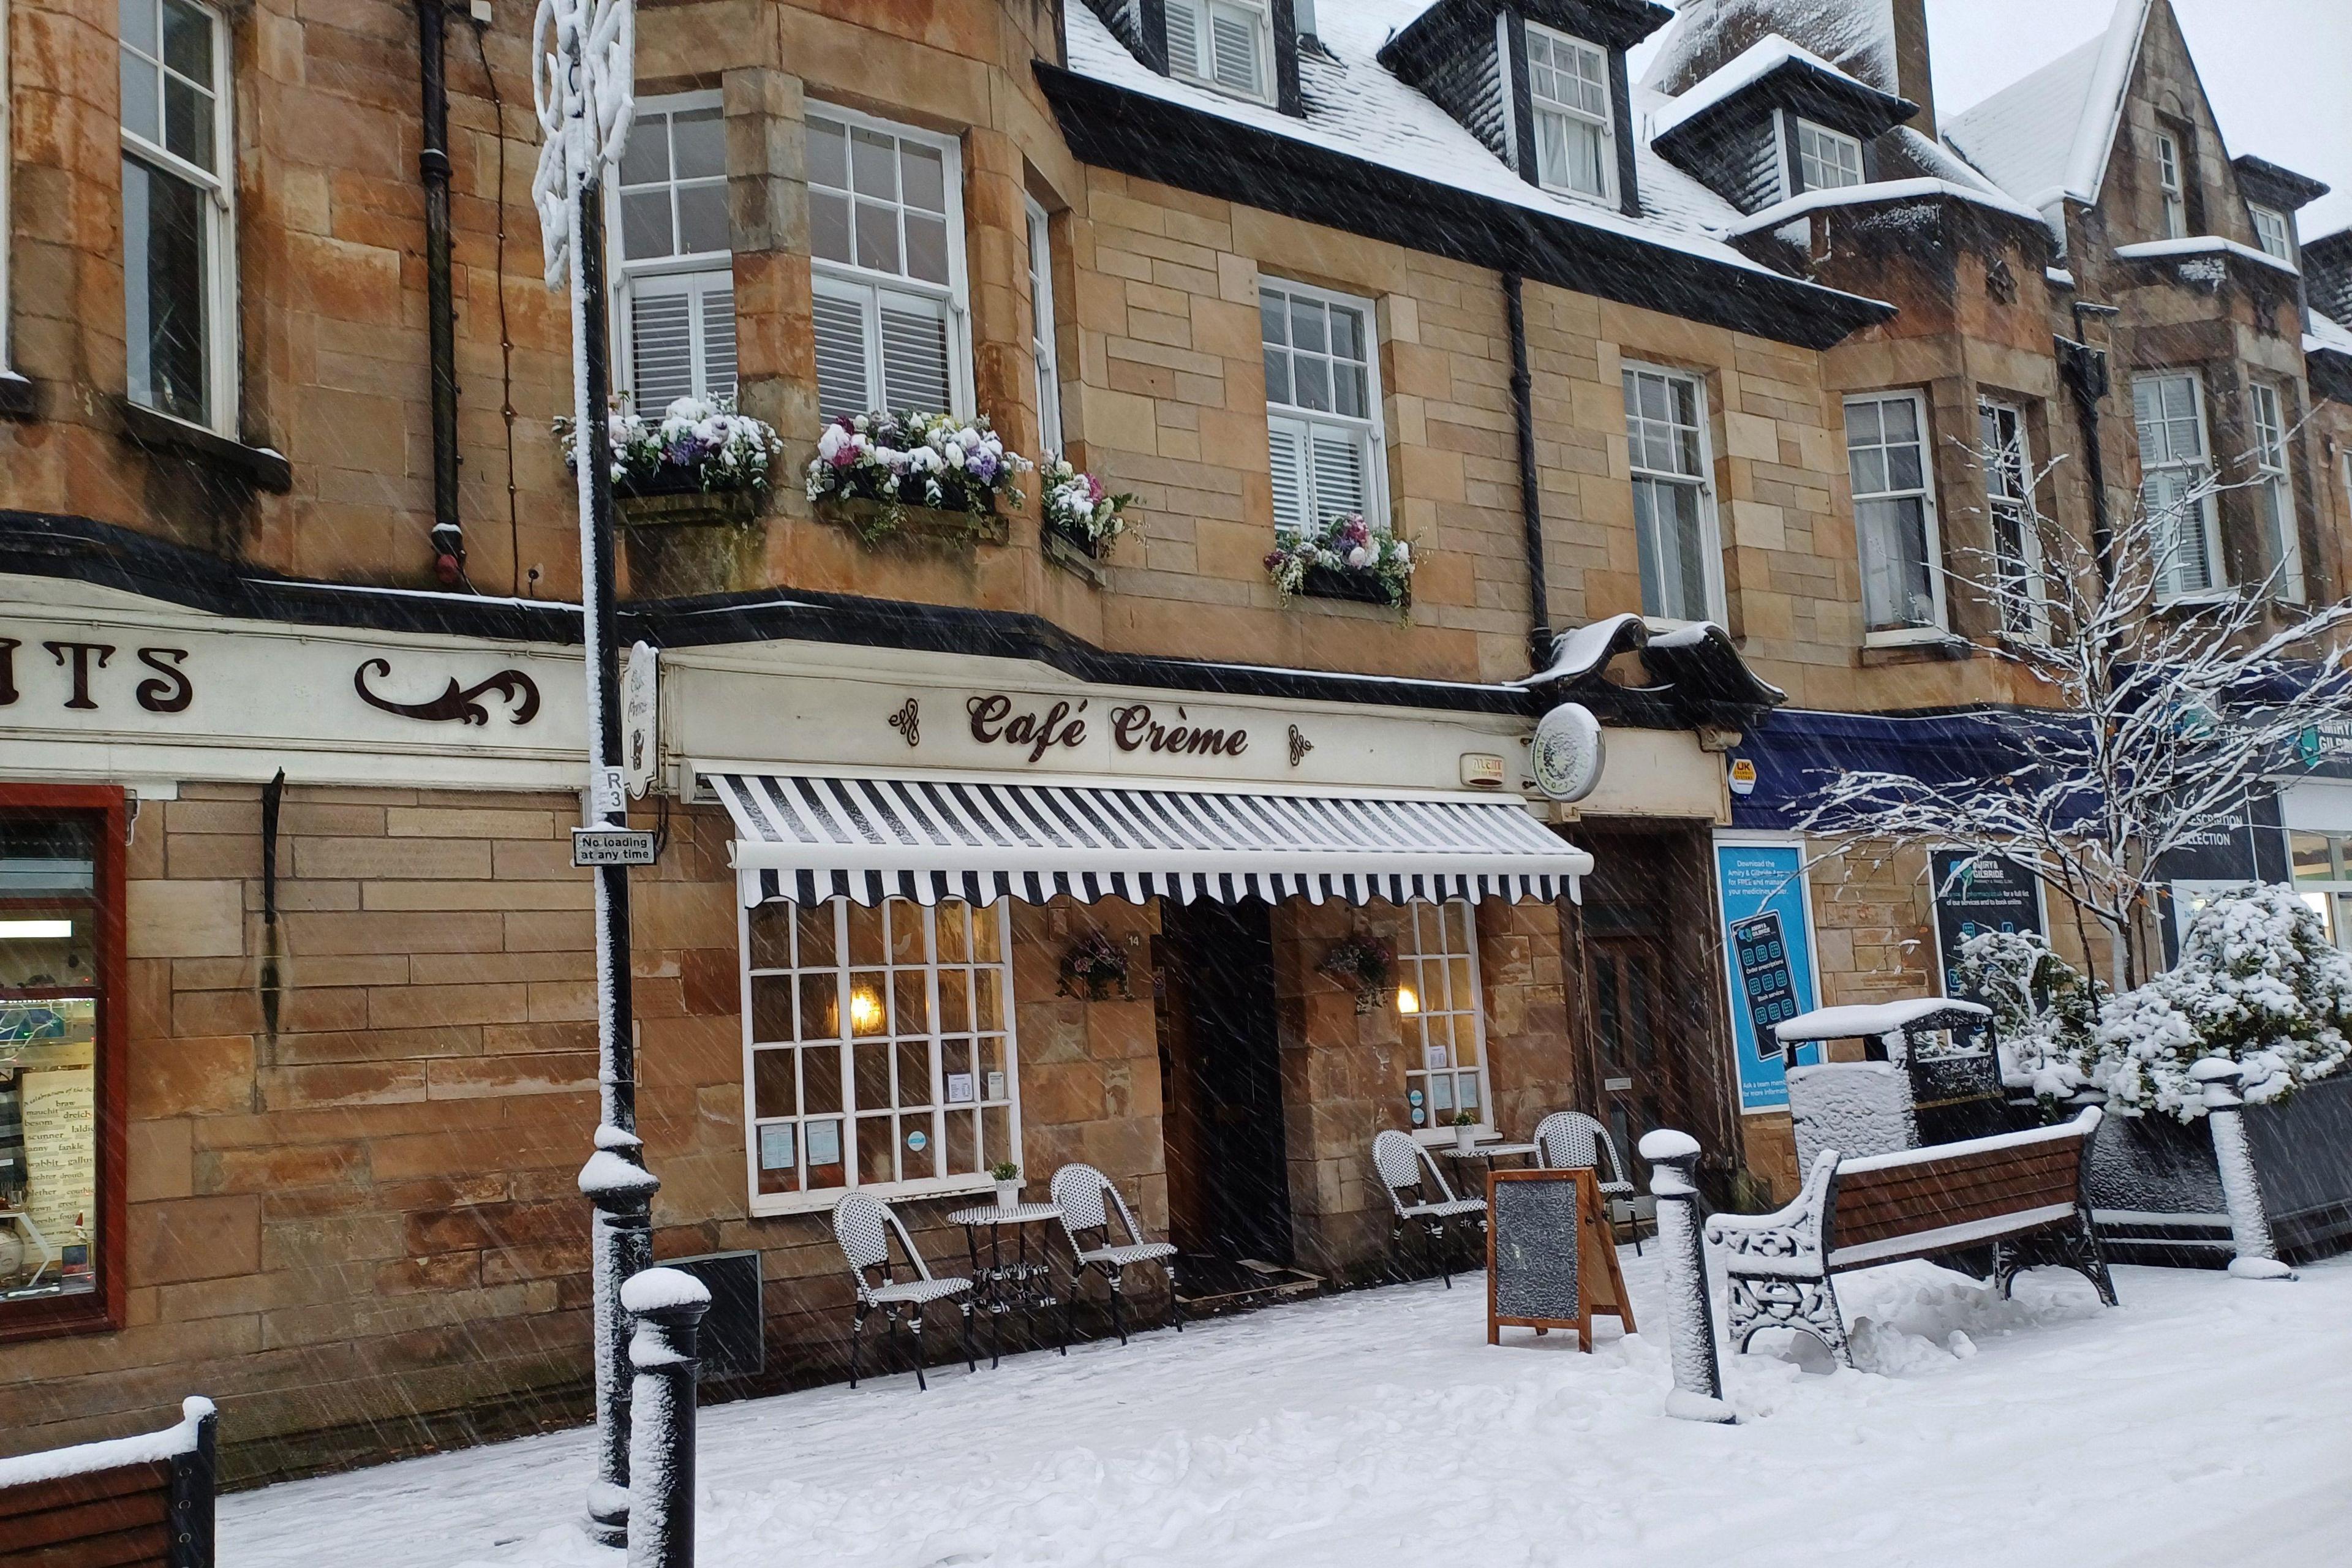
[
  {"x": 1356, "y": 587},
  {"x": 932, "y": 522},
  {"x": 662, "y": 507},
  {"x": 1081, "y": 556},
  {"x": 2155, "y": 1193}
]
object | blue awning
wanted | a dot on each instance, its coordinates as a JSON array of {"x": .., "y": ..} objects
[{"x": 1797, "y": 750}]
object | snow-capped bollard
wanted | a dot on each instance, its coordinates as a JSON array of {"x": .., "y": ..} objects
[
  {"x": 666, "y": 1304},
  {"x": 2242, "y": 1190},
  {"x": 620, "y": 1244},
  {"x": 1690, "y": 1332}
]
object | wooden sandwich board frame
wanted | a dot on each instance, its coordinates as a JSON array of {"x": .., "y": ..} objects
[{"x": 1600, "y": 1283}]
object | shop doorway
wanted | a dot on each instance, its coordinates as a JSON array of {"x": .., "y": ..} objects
[{"x": 1220, "y": 1086}]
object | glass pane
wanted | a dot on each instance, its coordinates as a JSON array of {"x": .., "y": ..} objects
[
  {"x": 1312, "y": 388},
  {"x": 996, "y": 1135},
  {"x": 872, "y": 1062},
  {"x": 773, "y": 1090},
  {"x": 820, "y": 1006},
  {"x": 955, "y": 1001},
  {"x": 771, "y": 1009},
  {"x": 1346, "y": 333},
  {"x": 914, "y": 1072},
  {"x": 1348, "y": 390},
  {"x": 137, "y": 22},
  {"x": 165, "y": 291},
  {"x": 646, "y": 160},
  {"x": 952, "y": 926},
  {"x": 188, "y": 40},
  {"x": 874, "y": 164},
  {"x": 907, "y": 938},
  {"x": 927, "y": 248},
  {"x": 828, "y": 154},
  {"x": 772, "y": 938},
  {"x": 864, "y": 934},
  {"x": 986, "y": 936},
  {"x": 1306, "y": 325},
  {"x": 702, "y": 219},
  {"x": 823, "y": 1150},
  {"x": 878, "y": 236},
  {"x": 2312, "y": 859},
  {"x": 812, "y": 932},
  {"x": 924, "y": 173},
  {"x": 645, "y": 223},
  {"x": 48, "y": 1170},
  {"x": 911, "y": 1007},
  {"x": 963, "y": 1143},
  {"x": 779, "y": 1149},
  {"x": 876, "y": 1153},
  {"x": 188, "y": 122},
  {"x": 1274, "y": 319},
  {"x": 868, "y": 1005},
  {"x": 1277, "y": 376},
  {"x": 821, "y": 1081},
  {"x": 1903, "y": 468},
  {"x": 141, "y": 114},
  {"x": 829, "y": 225},
  {"x": 988, "y": 999},
  {"x": 701, "y": 141}
]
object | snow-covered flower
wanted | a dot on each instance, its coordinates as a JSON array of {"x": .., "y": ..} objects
[
  {"x": 913, "y": 459},
  {"x": 1080, "y": 506},
  {"x": 1349, "y": 543},
  {"x": 699, "y": 442}
]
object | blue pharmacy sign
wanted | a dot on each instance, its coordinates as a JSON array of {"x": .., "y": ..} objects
[{"x": 1769, "y": 958}]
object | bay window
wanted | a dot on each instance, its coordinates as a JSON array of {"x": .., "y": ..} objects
[
  {"x": 1443, "y": 1020},
  {"x": 1827, "y": 160},
  {"x": 675, "y": 299},
  {"x": 878, "y": 1050},
  {"x": 1674, "y": 500},
  {"x": 1894, "y": 515},
  {"x": 885, "y": 243},
  {"x": 1567, "y": 84},
  {"x": 2274, "y": 493},
  {"x": 1322, "y": 407},
  {"x": 2008, "y": 507},
  {"x": 1224, "y": 44},
  {"x": 2176, "y": 481},
  {"x": 178, "y": 265}
]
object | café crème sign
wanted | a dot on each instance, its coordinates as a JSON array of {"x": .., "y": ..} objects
[{"x": 1033, "y": 731}]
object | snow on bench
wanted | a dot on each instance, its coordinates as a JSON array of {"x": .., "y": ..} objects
[
  {"x": 126, "y": 1502},
  {"x": 2021, "y": 1193}
]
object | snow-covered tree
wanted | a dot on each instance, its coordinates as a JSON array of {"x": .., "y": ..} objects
[
  {"x": 2258, "y": 981},
  {"x": 2159, "y": 713},
  {"x": 2044, "y": 1010}
]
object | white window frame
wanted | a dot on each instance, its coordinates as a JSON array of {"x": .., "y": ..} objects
[
  {"x": 2275, "y": 489},
  {"x": 2000, "y": 471},
  {"x": 847, "y": 281},
  {"x": 807, "y": 1199},
  {"x": 2256, "y": 212},
  {"x": 2171, "y": 183},
  {"x": 2195, "y": 468},
  {"x": 2329, "y": 897},
  {"x": 1703, "y": 483},
  {"x": 219, "y": 189},
  {"x": 1199, "y": 17},
  {"x": 680, "y": 274},
  {"x": 1931, "y": 533},
  {"x": 1821, "y": 139},
  {"x": 1413, "y": 965},
  {"x": 1606, "y": 121},
  {"x": 1044, "y": 350},
  {"x": 1370, "y": 432}
]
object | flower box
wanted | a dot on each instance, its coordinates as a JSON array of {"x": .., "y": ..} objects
[
  {"x": 1349, "y": 558},
  {"x": 686, "y": 506},
  {"x": 698, "y": 448},
  {"x": 875, "y": 520},
  {"x": 1336, "y": 583},
  {"x": 1082, "y": 557},
  {"x": 941, "y": 476}
]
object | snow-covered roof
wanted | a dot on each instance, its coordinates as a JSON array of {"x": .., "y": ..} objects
[
  {"x": 2200, "y": 245},
  {"x": 2327, "y": 335},
  {"x": 1357, "y": 107},
  {"x": 1752, "y": 65},
  {"x": 1779, "y": 213},
  {"x": 1582, "y": 651},
  {"x": 1857, "y": 34},
  {"x": 2048, "y": 135},
  {"x": 1863, "y": 1018}
]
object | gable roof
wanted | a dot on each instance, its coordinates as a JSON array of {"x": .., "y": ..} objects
[
  {"x": 1797, "y": 74},
  {"x": 2048, "y": 136}
]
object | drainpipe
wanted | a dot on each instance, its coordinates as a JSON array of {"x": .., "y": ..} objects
[
  {"x": 1523, "y": 419},
  {"x": 2084, "y": 371},
  {"x": 433, "y": 167}
]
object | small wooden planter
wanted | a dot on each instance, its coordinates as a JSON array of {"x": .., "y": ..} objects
[
  {"x": 931, "y": 522},
  {"x": 1355, "y": 587},
  {"x": 1082, "y": 556}
]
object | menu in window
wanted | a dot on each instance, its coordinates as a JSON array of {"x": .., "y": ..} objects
[{"x": 61, "y": 1147}]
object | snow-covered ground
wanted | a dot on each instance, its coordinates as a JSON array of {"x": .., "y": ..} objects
[{"x": 2202, "y": 1422}]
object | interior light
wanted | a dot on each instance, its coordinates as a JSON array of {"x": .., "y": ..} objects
[
  {"x": 865, "y": 1012},
  {"x": 1407, "y": 1001},
  {"x": 27, "y": 931}
]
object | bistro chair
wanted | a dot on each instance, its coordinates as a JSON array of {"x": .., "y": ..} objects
[
  {"x": 1572, "y": 1140},
  {"x": 864, "y": 1226},
  {"x": 1405, "y": 1166},
  {"x": 1079, "y": 1191}
]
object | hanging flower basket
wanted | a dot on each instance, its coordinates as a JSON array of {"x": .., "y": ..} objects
[
  {"x": 880, "y": 472},
  {"x": 1362, "y": 962},
  {"x": 1097, "y": 963},
  {"x": 1347, "y": 558}
]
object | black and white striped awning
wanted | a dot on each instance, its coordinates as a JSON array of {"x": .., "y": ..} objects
[{"x": 809, "y": 837}]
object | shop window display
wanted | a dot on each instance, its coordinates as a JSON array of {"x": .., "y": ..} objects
[
  {"x": 51, "y": 976},
  {"x": 1444, "y": 1028}
]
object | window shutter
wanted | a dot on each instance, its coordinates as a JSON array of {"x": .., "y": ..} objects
[
  {"x": 1234, "y": 39},
  {"x": 842, "y": 381},
  {"x": 717, "y": 302},
  {"x": 1339, "y": 468},
  {"x": 1287, "y": 449},
  {"x": 661, "y": 350},
  {"x": 1184, "y": 36},
  {"x": 915, "y": 361}
]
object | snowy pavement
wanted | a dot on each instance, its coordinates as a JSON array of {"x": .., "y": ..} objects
[{"x": 2203, "y": 1421}]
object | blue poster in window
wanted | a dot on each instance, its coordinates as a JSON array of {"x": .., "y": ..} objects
[{"x": 1767, "y": 953}]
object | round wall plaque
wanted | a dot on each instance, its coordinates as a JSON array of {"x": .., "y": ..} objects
[{"x": 1567, "y": 755}]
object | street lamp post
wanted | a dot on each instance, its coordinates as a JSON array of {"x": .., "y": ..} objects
[{"x": 582, "y": 70}]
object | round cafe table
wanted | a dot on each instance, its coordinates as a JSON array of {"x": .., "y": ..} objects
[{"x": 1001, "y": 1286}]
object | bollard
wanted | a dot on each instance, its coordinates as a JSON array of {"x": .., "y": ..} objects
[
  {"x": 620, "y": 1244},
  {"x": 1690, "y": 1320},
  {"x": 667, "y": 1305},
  {"x": 2242, "y": 1190}
]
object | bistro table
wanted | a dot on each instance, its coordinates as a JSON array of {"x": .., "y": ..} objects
[
  {"x": 1490, "y": 1152},
  {"x": 1020, "y": 1285}
]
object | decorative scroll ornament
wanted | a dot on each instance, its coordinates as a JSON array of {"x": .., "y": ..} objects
[
  {"x": 459, "y": 703},
  {"x": 583, "y": 82},
  {"x": 1299, "y": 746},
  {"x": 909, "y": 723}
]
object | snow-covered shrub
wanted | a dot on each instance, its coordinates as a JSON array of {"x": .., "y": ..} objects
[
  {"x": 2044, "y": 1010},
  {"x": 696, "y": 443},
  {"x": 900, "y": 460},
  {"x": 1347, "y": 544},
  {"x": 2258, "y": 981},
  {"x": 1080, "y": 505}
]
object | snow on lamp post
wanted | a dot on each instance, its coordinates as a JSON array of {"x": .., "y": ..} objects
[
  {"x": 583, "y": 81},
  {"x": 2241, "y": 1188},
  {"x": 1690, "y": 1322}
]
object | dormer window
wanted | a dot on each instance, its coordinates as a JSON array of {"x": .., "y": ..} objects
[
  {"x": 2270, "y": 231},
  {"x": 1567, "y": 82},
  {"x": 1827, "y": 160},
  {"x": 1224, "y": 43},
  {"x": 2171, "y": 184}
]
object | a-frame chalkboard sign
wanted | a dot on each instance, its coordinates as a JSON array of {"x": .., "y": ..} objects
[{"x": 1551, "y": 1262}]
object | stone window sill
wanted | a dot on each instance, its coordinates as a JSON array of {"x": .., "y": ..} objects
[
  {"x": 257, "y": 466},
  {"x": 1937, "y": 650},
  {"x": 17, "y": 400}
]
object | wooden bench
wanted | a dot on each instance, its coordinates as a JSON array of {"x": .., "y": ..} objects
[
  {"x": 2021, "y": 1193},
  {"x": 144, "y": 1501}
]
